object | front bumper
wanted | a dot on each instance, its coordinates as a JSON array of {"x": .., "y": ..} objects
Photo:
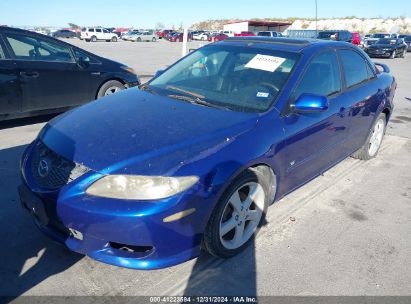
[{"x": 124, "y": 233}]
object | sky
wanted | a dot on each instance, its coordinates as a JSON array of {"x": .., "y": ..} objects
[{"x": 146, "y": 14}]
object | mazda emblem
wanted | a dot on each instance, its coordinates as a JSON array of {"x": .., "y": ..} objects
[{"x": 43, "y": 168}]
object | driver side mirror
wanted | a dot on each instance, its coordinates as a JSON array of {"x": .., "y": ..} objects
[{"x": 309, "y": 103}]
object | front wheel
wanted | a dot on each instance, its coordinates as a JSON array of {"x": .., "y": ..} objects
[
  {"x": 154, "y": 39},
  {"x": 114, "y": 39},
  {"x": 238, "y": 215},
  {"x": 138, "y": 39},
  {"x": 110, "y": 87},
  {"x": 94, "y": 39},
  {"x": 393, "y": 54},
  {"x": 373, "y": 143}
]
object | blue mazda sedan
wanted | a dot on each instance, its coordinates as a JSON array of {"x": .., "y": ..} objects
[{"x": 147, "y": 177}]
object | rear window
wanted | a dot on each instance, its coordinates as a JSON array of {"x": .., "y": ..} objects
[
  {"x": 266, "y": 34},
  {"x": 407, "y": 38}
]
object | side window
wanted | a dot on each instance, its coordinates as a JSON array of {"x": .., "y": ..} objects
[
  {"x": 98, "y": 30},
  {"x": 2, "y": 53},
  {"x": 34, "y": 48},
  {"x": 84, "y": 57},
  {"x": 322, "y": 77},
  {"x": 91, "y": 30},
  {"x": 355, "y": 67},
  {"x": 105, "y": 31}
]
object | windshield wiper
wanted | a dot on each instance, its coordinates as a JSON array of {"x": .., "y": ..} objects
[
  {"x": 184, "y": 91},
  {"x": 198, "y": 101}
]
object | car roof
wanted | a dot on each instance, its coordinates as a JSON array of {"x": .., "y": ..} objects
[{"x": 284, "y": 44}]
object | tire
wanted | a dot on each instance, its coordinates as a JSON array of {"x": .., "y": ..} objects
[
  {"x": 239, "y": 230},
  {"x": 393, "y": 54},
  {"x": 110, "y": 87},
  {"x": 87, "y": 40},
  {"x": 138, "y": 39},
  {"x": 114, "y": 39},
  {"x": 202, "y": 39},
  {"x": 374, "y": 139},
  {"x": 93, "y": 39},
  {"x": 154, "y": 39},
  {"x": 403, "y": 54}
]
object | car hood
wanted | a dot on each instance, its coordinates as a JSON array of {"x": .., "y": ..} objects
[{"x": 119, "y": 131}]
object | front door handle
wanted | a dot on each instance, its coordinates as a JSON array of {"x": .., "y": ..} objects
[{"x": 30, "y": 74}]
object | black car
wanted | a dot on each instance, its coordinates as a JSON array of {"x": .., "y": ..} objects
[
  {"x": 41, "y": 74},
  {"x": 335, "y": 35},
  {"x": 387, "y": 47},
  {"x": 64, "y": 34}
]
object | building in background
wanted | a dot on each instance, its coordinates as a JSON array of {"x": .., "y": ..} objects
[{"x": 255, "y": 26}]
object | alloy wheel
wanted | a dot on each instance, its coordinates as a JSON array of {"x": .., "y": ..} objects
[
  {"x": 242, "y": 215},
  {"x": 376, "y": 137},
  {"x": 112, "y": 90}
]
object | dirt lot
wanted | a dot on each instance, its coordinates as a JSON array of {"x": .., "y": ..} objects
[{"x": 350, "y": 234}]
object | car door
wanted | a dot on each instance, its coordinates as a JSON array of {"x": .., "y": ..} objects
[
  {"x": 362, "y": 88},
  {"x": 10, "y": 93},
  {"x": 48, "y": 73},
  {"x": 315, "y": 141}
]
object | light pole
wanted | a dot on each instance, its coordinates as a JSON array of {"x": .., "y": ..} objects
[{"x": 316, "y": 18}]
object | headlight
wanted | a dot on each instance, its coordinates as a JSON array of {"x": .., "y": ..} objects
[
  {"x": 128, "y": 69},
  {"x": 137, "y": 187}
]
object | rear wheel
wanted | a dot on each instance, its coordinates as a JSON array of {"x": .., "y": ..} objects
[
  {"x": 138, "y": 39},
  {"x": 154, "y": 39},
  {"x": 114, "y": 39},
  {"x": 374, "y": 140},
  {"x": 110, "y": 87},
  {"x": 238, "y": 215},
  {"x": 93, "y": 39},
  {"x": 394, "y": 53}
]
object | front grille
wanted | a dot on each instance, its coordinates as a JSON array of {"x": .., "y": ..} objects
[{"x": 52, "y": 171}]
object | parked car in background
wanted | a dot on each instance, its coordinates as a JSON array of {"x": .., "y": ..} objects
[
  {"x": 144, "y": 36},
  {"x": 193, "y": 159},
  {"x": 94, "y": 34},
  {"x": 40, "y": 74},
  {"x": 163, "y": 33},
  {"x": 387, "y": 47},
  {"x": 269, "y": 34},
  {"x": 129, "y": 36},
  {"x": 218, "y": 37},
  {"x": 228, "y": 33},
  {"x": 373, "y": 38},
  {"x": 178, "y": 37},
  {"x": 200, "y": 36},
  {"x": 356, "y": 38},
  {"x": 170, "y": 34},
  {"x": 407, "y": 40},
  {"x": 244, "y": 34},
  {"x": 336, "y": 35},
  {"x": 64, "y": 34}
]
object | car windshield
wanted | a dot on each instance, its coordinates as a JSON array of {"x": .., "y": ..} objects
[
  {"x": 245, "y": 79},
  {"x": 386, "y": 41}
]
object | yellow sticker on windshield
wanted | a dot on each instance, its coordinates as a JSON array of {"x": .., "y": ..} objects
[{"x": 265, "y": 63}]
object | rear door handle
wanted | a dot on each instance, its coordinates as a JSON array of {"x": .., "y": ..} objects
[{"x": 30, "y": 74}]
